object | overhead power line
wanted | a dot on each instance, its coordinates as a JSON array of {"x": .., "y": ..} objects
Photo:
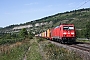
[{"x": 84, "y": 3}]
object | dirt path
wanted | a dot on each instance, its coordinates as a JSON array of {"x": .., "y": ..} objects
[
  {"x": 41, "y": 52},
  {"x": 25, "y": 56},
  {"x": 31, "y": 48}
]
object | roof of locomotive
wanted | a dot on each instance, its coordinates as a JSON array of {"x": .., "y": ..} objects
[
  {"x": 56, "y": 27},
  {"x": 67, "y": 25},
  {"x": 63, "y": 25}
]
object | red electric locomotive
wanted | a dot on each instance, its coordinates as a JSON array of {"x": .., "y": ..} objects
[{"x": 64, "y": 33}]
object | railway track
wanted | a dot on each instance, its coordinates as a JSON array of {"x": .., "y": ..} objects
[
  {"x": 81, "y": 45},
  {"x": 84, "y": 48}
]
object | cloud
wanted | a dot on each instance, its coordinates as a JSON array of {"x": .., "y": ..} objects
[
  {"x": 10, "y": 13},
  {"x": 49, "y": 5},
  {"x": 70, "y": 4},
  {"x": 35, "y": 3},
  {"x": 7, "y": 13}
]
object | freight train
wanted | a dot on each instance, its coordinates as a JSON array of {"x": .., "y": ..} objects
[{"x": 65, "y": 33}]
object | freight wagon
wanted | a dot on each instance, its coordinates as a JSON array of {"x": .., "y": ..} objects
[{"x": 48, "y": 34}]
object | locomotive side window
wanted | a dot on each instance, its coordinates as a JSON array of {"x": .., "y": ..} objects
[{"x": 68, "y": 28}]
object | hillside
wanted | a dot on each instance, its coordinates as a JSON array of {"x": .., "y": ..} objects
[{"x": 77, "y": 17}]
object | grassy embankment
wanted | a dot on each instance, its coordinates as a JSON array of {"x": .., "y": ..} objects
[
  {"x": 14, "y": 51},
  {"x": 53, "y": 52},
  {"x": 27, "y": 49},
  {"x": 36, "y": 49},
  {"x": 87, "y": 41}
]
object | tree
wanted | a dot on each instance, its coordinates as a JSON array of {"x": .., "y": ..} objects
[
  {"x": 23, "y": 33},
  {"x": 8, "y": 36},
  {"x": 30, "y": 35},
  {"x": 88, "y": 30}
]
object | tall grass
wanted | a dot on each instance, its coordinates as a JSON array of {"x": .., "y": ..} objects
[
  {"x": 15, "y": 53},
  {"x": 58, "y": 53},
  {"x": 53, "y": 52}
]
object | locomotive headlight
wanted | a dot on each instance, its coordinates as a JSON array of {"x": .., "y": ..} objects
[
  {"x": 72, "y": 33},
  {"x": 64, "y": 33}
]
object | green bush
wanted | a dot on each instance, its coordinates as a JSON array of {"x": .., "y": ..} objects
[
  {"x": 30, "y": 37},
  {"x": 40, "y": 39},
  {"x": 5, "y": 41}
]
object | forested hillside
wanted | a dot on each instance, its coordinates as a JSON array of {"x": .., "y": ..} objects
[{"x": 79, "y": 18}]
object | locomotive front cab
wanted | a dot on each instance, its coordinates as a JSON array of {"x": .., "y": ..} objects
[{"x": 68, "y": 33}]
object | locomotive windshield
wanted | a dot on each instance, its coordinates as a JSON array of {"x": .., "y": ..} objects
[{"x": 68, "y": 28}]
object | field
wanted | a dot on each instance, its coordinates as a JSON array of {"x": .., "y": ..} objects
[{"x": 35, "y": 49}]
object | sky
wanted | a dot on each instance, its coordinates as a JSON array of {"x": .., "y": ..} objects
[{"x": 22, "y": 11}]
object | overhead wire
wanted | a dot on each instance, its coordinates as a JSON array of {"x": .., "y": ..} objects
[{"x": 83, "y": 4}]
